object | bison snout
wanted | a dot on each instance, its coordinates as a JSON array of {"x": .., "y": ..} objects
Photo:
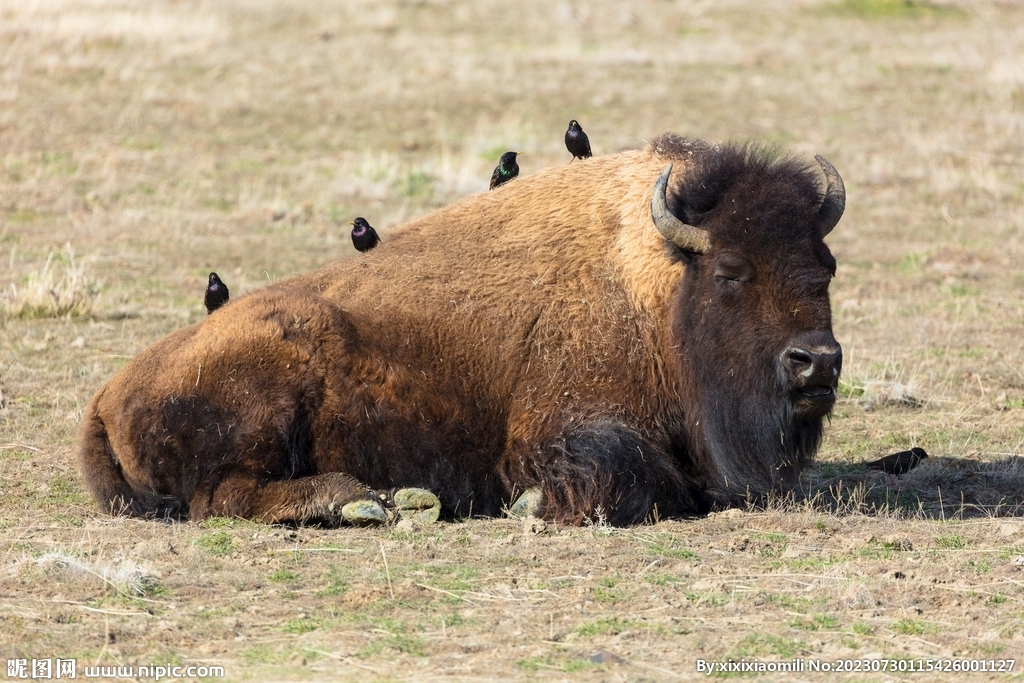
[{"x": 811, "y": 368}]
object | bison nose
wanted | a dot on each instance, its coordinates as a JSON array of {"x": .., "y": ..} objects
[{"x": 811, "y": 366}]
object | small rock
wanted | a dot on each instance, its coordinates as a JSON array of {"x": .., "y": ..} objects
[
  {"x": 533, "y": 525},
  {"x": 1009, "y": 529},
  {"x": 878, "y": 394},
  {"x": 1019, "y": 561},
  {"x": 605, "y": 657},
  {"x": 408, "y": 524}
]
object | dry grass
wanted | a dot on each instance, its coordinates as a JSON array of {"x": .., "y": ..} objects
[
  {"x": 60, "y": 288},
  {"x": 168, "y": 139}
]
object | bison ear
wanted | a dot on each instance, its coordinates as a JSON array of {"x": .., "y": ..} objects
[
  {"x": 685, "y": 235},
  {"x": 834, "y": 204}
]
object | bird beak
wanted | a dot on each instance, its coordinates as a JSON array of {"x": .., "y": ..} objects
[
  {"x": 518, "y": 153},
  {"x": 351, "y": 222}
]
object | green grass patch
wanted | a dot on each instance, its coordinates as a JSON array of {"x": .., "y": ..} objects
[
  {"x": 861, "y": 628},
  {"x": 543, "y": 663},
  {"x": 283, "y": 575},
  {"x": 668, "y": 546},
  {"x": 951, "y": 541},
  {"x": 262, "y": 654},
  {"x": 65, "y": 491},
  {"x": 881, "y": 550},
  {"x": 303, "y": 625},
  {"x": 1014, "y": 403},
  {"x": 979, "y": 566},
  {"x": 663, "y": 579},
  {"x": 336, "y": 584},
  {"x": 890, "y": 9},
  {"x": 60, "y": 164},
  {"x": 604, "y": 627},
  {"x": 911, "y": 264},
  {"x": 794, "y": 603},
  {"x": 961, "y": 290},
  {"x": 217, "y": 543},
  {"x": 400, "y": 642},
  {"x": 494, "y": 152},
  {"x": 909, "y": 627},
  {"x": 850, "y": 388},
  {"x": 814, "y": 563},
  {"x": 706, "y": 599},
  {"x": 818, "y": 622},
  {"x": 415, "y": 185},
  {"x": 217, "y": 523},
  {"x": 761, "y": 644},
  {"x": 451, "y": 577}
]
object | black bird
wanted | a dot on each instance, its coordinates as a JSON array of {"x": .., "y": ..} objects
[
  {"x": 364, "y": 237},
  {"x": 577, "y": 142},
  {"x": 216, "y": 294},
  {"x": 506, "y": 170},
  {"x": 899, "y": 463}
]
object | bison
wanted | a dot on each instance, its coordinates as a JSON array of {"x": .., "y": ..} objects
[{"x": 646, "y": 334}]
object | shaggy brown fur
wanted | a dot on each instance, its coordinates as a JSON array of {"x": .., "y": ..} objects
[{"x": 554, "y": 339}]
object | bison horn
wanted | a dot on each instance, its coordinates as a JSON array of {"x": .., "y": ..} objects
[
  {"x": 687, "y": 237},
  {"x": 835, "y": 197}
]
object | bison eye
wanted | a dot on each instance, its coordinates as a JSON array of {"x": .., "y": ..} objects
[{"x": 733, "y": 268}]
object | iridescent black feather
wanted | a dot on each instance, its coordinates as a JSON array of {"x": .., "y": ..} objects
[
  {"x": 364, "y": 237},
  {"x": 216, "y": 294},
  {"x": 577, "y": 142},
  {"x": 506, "y": 170}
]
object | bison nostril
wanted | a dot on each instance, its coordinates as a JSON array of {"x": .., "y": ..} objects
[
  {"x": 812, "y": 365},
  {"x": 799, "y": 361}
]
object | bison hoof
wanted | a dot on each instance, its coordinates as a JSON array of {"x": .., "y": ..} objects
[
  {"x": 418, "y": 505},
  {"x": 528, "y": 504},
  {"x": 364, "y": 513}
]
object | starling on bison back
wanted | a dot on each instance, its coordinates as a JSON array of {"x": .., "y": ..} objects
[
  {"x": 506, "y": 170},
  {"x": 577, "y": 142},
  {"x": 216, "y": 294},
  {"x": 647, "y": 331},
  {"x": 364, "y": 237}
]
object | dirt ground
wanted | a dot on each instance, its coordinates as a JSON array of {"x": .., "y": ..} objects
[{"x": 143, "y": 145}]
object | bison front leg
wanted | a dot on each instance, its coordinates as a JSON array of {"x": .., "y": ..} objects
[
  {"x": 323, "y": 498},
  {"x": 599, "y": 470}
]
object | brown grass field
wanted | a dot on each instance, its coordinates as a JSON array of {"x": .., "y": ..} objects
[{"x": 144, "y": 144}]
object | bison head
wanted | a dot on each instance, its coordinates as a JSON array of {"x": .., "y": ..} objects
[{"x": 759, "y": 363}]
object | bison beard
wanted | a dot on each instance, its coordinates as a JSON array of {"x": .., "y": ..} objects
[{"x": 632, "y": 354}]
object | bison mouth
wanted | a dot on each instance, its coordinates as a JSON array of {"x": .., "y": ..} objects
[{"x": 814, "y": 400}]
